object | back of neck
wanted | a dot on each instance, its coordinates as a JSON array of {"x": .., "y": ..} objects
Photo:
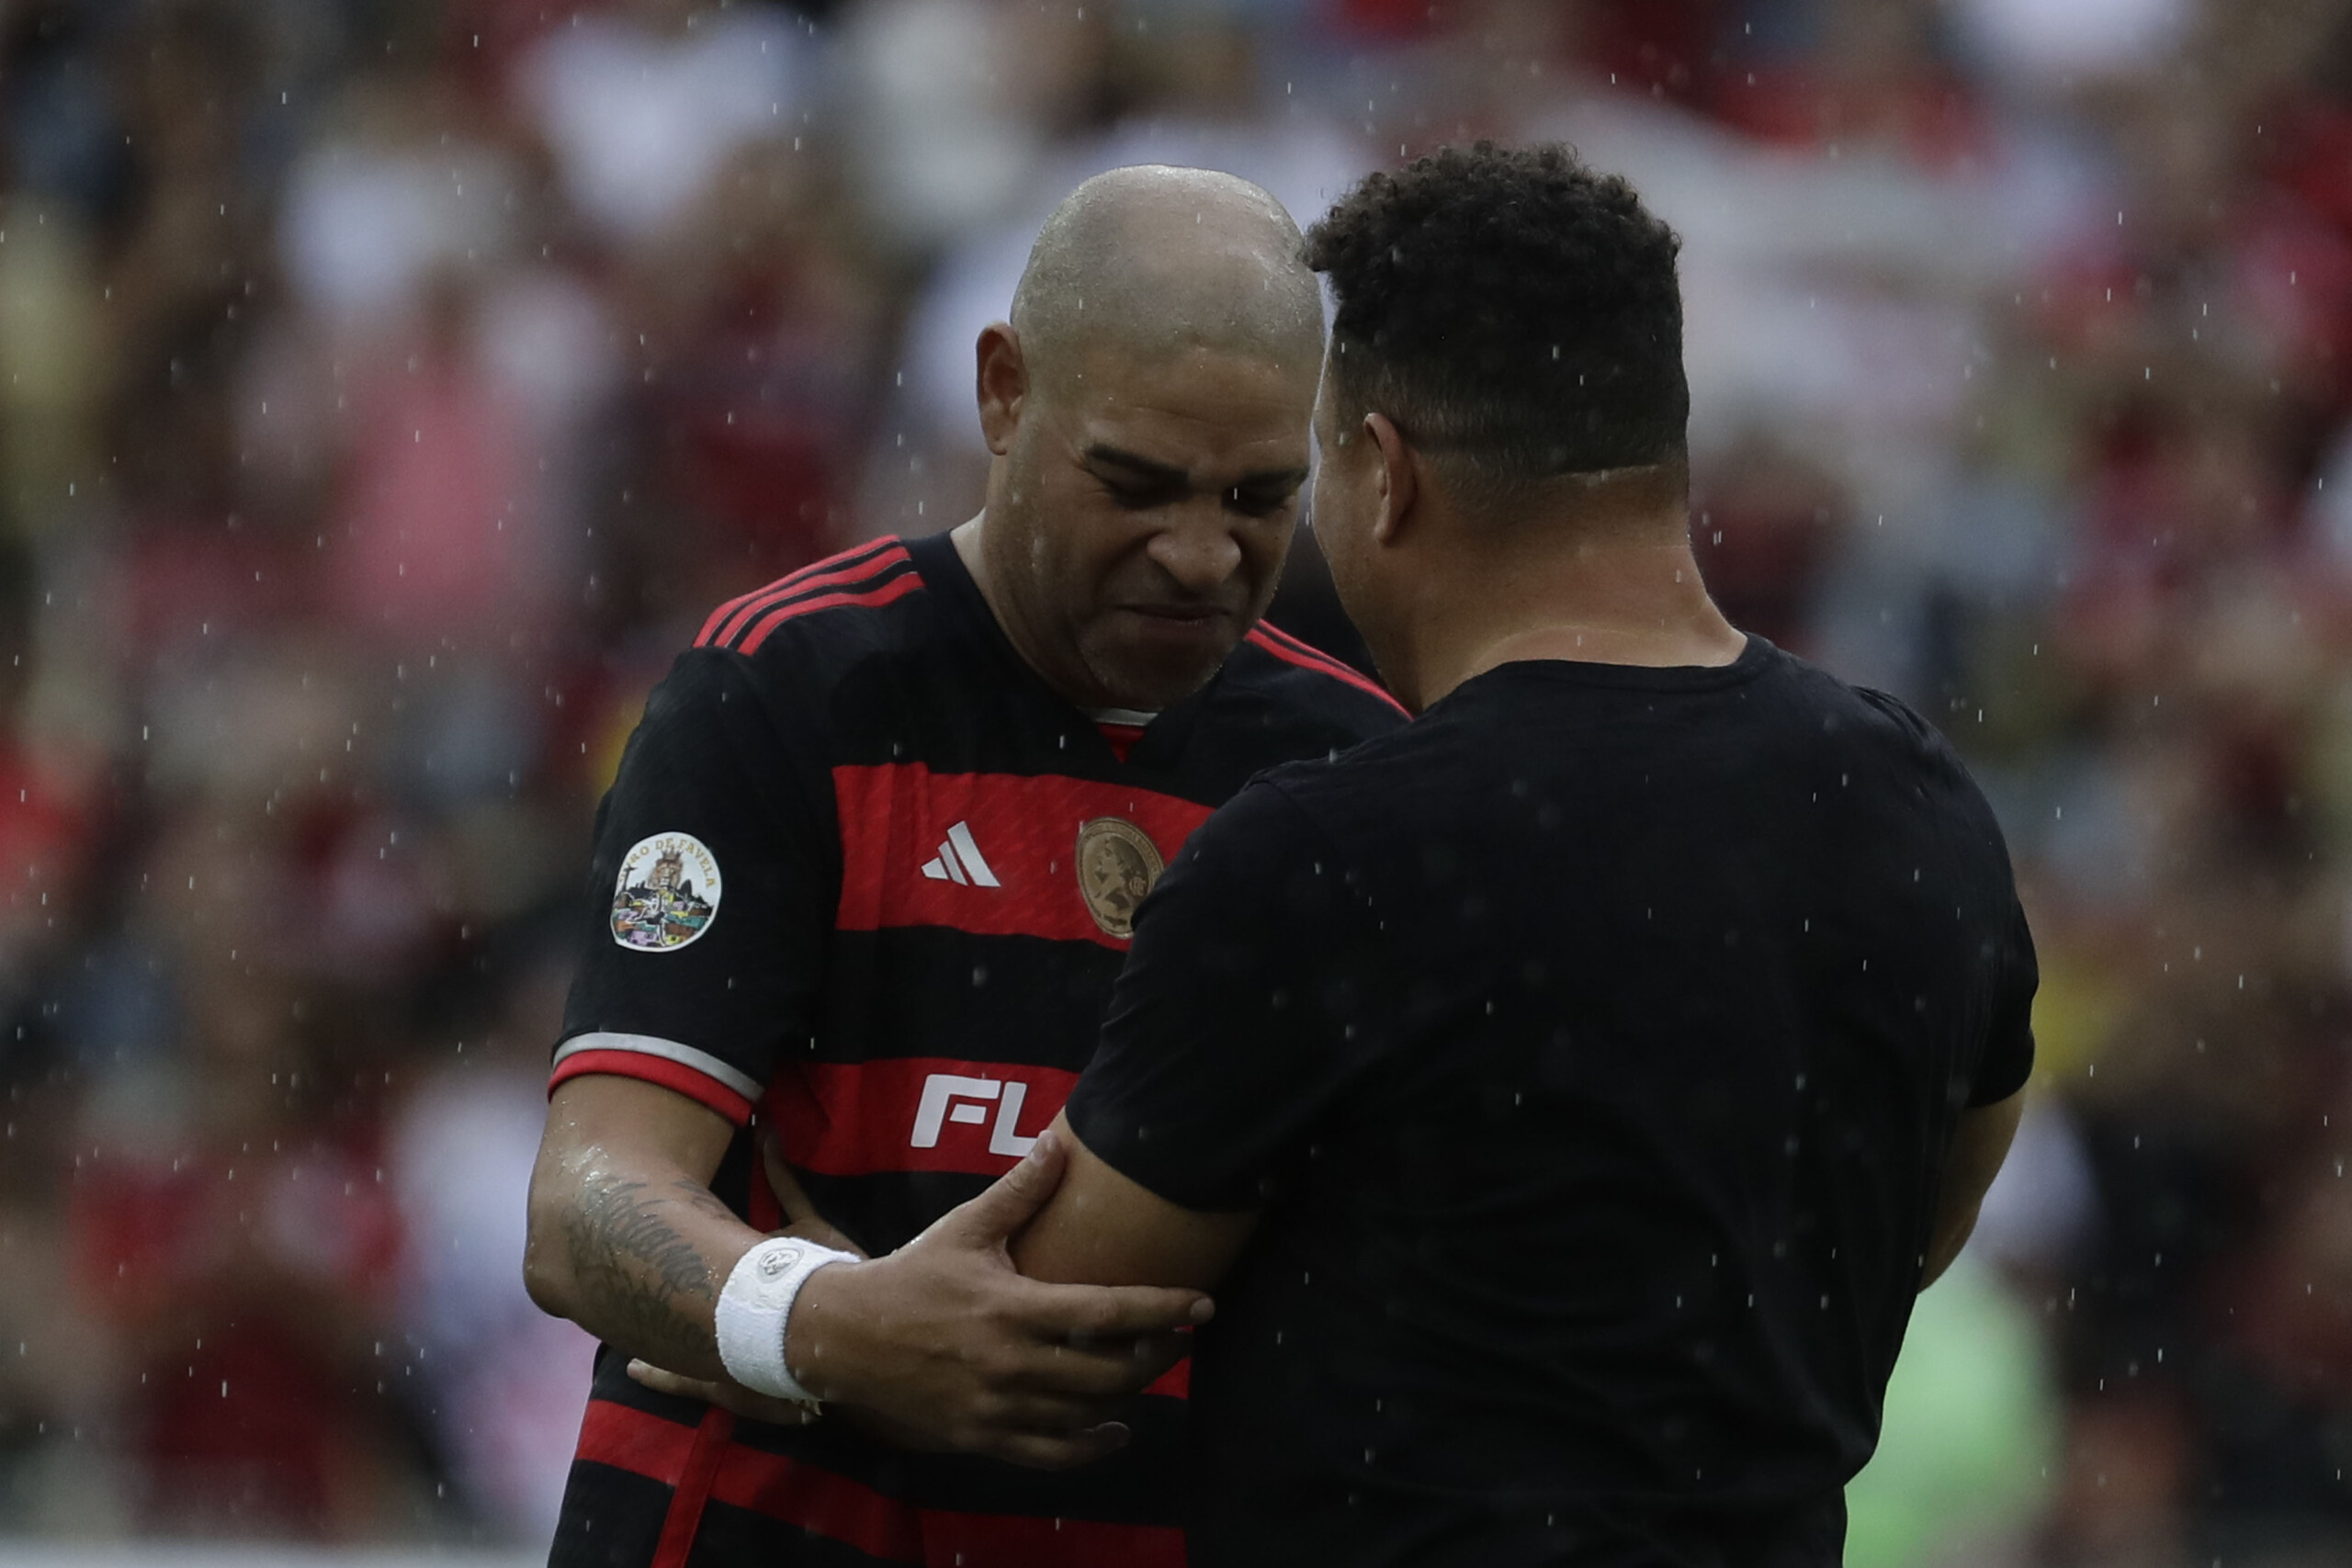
[{"x": 1638, "y": 601}]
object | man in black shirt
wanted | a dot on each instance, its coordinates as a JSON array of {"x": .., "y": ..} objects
[{"x": 1568, "y": 1093}]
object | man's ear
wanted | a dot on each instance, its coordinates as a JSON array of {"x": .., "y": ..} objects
[
  {"x": 1003, "y": 385},
  {"x": 1398, "y": 479}
]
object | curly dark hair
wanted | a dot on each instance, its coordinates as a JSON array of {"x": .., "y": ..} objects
[{"x": 1514, "y": 312}]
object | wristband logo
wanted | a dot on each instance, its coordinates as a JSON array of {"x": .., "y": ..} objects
[{"x": 667, "y": 894}]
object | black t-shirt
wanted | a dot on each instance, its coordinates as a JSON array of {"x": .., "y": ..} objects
[{"x": 1593, "y": 1046}]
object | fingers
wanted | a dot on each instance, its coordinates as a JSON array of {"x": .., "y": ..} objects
[
  {"x": 789, "y": 1195},
  {"x": 1047, "y": 1415},
  {"x": 800, "y": 1216},
  {"x": 1078, "y": 1313},
  {"x": 1101, "y": 1371},
  {"x": 1150, "y": 1357},
  {"x": 671, "y": 1383},
  {"x": 730, "y": 1396},
  {"x": 1013, "y": 1200},
  {"x": 1042, "y": 1451}
]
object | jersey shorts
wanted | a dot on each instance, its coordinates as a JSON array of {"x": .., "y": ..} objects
[{"x": 866, "y": 878}]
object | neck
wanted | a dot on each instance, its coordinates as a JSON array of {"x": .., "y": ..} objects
[
  {"x": 1638, "y": 600},
  {"x": 968, "y": 538}
]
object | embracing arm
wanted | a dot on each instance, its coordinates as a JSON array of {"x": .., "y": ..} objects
[
  {"x": 1979, "y": 1144},
  {"x": 626, "y": 1238},
  {"x": 941, "y": 1344},
  {"x": 1215, "y": 1064},
  {"x": 1103, "y": 1228}
]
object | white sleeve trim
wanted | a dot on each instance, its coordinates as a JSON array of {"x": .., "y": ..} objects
[{"x": 702, "y": 1062}]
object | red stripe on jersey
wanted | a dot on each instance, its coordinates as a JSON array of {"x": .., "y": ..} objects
[
  {"x": 819, "y": 1502},
  {"x": 1290, "y": 650},
  {"x": 896, "y": 587},
  {"x": 712, "y": 1440},
  {"x": 1306, "y": 652},
  {"x": 1176, "y": 1382},
  {"x": 635, "y": 1442},
  {"x": 1012, "y": 1541},
  {"x": 729, "y": 618},
  {"x": 700, "y": 1087},
  {"x": 913, "y": 1114},
  {"x": 907, "y": 833}
]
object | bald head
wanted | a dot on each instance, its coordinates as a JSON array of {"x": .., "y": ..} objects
[{"x": 1152, "y": 261}]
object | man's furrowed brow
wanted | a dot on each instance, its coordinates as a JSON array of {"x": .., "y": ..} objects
[
  {"x": 1135, "y": 464},
  {"x": 1104, "y": 455}
]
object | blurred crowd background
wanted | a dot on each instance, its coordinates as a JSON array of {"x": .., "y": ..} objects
[{"x": 389, "y": 387}]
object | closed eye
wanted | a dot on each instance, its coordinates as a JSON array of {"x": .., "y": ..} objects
[
  {"x": 1143, "y": 498},
  {"x": 1260, "y": 502}
]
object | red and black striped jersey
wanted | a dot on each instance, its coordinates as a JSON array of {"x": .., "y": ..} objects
[{"x": 865, "y": 876}]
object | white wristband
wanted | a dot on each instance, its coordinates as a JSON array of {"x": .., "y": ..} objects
[{"x": 755, "y": 1307}]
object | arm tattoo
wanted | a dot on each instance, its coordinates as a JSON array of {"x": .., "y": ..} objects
[{"x": 642, "y": 1276}]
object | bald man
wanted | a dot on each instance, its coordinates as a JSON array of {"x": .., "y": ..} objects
[{"x": 861, "y": 891}]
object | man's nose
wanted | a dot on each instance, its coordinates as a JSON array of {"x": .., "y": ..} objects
[{"x": 1201, "y": 556}]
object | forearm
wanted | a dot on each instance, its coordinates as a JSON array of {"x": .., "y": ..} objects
[
  {"x": 941, "y": 1343},
  {"x": 626, "y": 1237},
  {"x": 1979, "y": 1144},
  {"x": 1103, "y": 1228},
  {"x": 646, "y": 1260},
  {"x": 1953, "y": 1227}
]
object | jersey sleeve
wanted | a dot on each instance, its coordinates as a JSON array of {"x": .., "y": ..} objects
[
  {"x": 2009, "y": 1050},
  {"x": 711, "y": 892},
  {"x": 1255, "y": 993}
]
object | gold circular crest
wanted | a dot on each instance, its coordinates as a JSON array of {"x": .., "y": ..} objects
[{"x": 1117, "y": 863}]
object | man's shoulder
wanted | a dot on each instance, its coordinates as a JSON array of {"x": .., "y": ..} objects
[
  {"x": 831, "y": 611},
  {"x": 1903, "y": 765},
  {"x": 1869, "y": 718},
  {"x": 1796, "y": 711},
  {"x": 862, "y": 633},
  {"x": 1303, "y": 684}
]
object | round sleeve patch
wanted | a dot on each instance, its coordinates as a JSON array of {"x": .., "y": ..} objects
[{"x": 667, "y": 894}]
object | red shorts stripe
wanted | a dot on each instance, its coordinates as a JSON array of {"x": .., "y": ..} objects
[
  {"x": 900, "y": 867},
  {"x": 712, "y": 1440},
  {"x": 1290, "y": 650},
  {"x": 729, "y": 618},
  {"x": 913, "y": 1114},
  {"x": 819, "y": 1502},
  {"x": 1012, "y": 1541},
  {"x": 896, "y": 587},
  {"x": 700, "y": 1087},
  {"x": 781, "y": 1488}
]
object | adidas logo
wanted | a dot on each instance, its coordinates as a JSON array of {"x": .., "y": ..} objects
[{"x": 958, "y": 860}]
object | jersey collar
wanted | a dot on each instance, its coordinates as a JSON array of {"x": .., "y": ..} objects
[{"x": 1164, "y": 733}]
